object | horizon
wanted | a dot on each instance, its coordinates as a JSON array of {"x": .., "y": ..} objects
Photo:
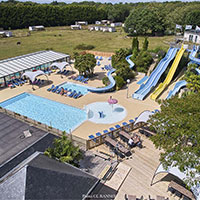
[{"x": 105, "y": 1}]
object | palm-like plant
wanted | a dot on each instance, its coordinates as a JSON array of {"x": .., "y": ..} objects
[{"x": 64, "y": 150}]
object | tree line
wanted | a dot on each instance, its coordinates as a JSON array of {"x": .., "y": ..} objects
[{"x": 140, "y": 18}]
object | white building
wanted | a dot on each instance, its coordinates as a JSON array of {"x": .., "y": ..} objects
[
  {"x": 36, "y": 28},
  {"x": 76, "y": 27},
  {"x": 97, "y": 22},
  {"x": 82, "y": 23},
  {"x": 116, "y": 24},
  {"x": 108, "y": 29},
  {"x": 102, "y": 28},
  {"x": 6, "y": 33},
  {"x": 192, "y": 36},
  {"x": 105, "y": 22}
]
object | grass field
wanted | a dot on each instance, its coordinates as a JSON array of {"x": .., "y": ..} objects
[{"x": 68, "y": 39}]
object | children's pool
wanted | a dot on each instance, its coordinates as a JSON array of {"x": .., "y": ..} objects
[
  {"x": 73, "y": 86},
  {"x": 52, "y": 113},
  {"x": 104, "y": 113}
]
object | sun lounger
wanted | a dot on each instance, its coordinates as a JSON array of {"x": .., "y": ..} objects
[
  {"x": 97, "y": 57},
  {"x": 77, "y": 78},
  {"x": 105, "y": 131},
  {"x": 92, "y": 137},
  {"x": 131, "y": 120},
  {"x": 15, "y": 83},
  {"x": 51, "y": 88},
  {"x": 117, "y": 126},
  {"x": 72, "y": 93},
  {"x": 85, "y": 80},
  {"x": 81, "y": 78},
  {"x": 112, "y": 129},
  {"x": 58, "y": 91},
  {"x": 98, "y": 134},
  {"x": 54, "y": 90},
  {"x": 77, "y": 95},
  {"x": 11, "y": 85},
  {"x": 67, "y": 71}
]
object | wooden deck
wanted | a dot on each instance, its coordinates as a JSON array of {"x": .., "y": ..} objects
[{"x": 143, "y": 164}]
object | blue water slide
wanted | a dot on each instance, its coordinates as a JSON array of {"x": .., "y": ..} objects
[
  {"x": 153, "y": 79},
  {"x": 193, "y": 54},
  {"x": 177, "y": 87},
  {"x": 131, "y": 63},
  {"x": 111, "y": 79}
]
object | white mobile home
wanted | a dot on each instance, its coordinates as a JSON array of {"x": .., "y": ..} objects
[
  {"x": 105, "y": 22},
  {"x": 82, "y": 23},
  {"x": 6, "y": 33},
  {"x": 108, "y": 29},
  {"x": 36, "y": 28},
  {"x": 192, "y": 36},
  {"x": 76, "y": 27},
  {"x": 116, "y": 24}
]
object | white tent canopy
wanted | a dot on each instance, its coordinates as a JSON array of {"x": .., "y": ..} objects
[
  {"x": 59, "y": 65},
  {"x": 181, "y": 175},
  {"x": 32, "y": 75},
  {"x": 144, "y": 116}
]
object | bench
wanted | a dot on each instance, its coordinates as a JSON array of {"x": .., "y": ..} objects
[
  {"x": 105, "y": 171},
  {"x": 102, "y": 155}
]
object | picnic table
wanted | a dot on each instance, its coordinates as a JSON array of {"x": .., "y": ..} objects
[
  {"x": 117, "y": 145},
  {"x": 146, "y": 130},
  {"x": 125, "y": 134},
  {"x": 181, "y": 189}
]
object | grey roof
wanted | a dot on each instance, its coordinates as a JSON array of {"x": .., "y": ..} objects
[
  {"x": 14, "y": 187},
  {"x": 28, "y": 61},
  {"x": 46, "y": 178},
  {"x": 13, "y": 144}
]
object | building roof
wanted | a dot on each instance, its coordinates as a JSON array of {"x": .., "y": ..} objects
[
  {"x": 46, "y": 178},
  {"x": 28, "y": 61},
  {"x": 192, "y": 31},
  {"x": 14, "y": 147}
]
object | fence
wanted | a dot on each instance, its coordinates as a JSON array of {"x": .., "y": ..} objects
[
  {"x": 77, "y": 140},
  {"x": 91, "y": 143},
  {"x": 100, "y": 53}
]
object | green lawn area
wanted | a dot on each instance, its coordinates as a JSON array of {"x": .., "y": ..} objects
[{"x": 65, "y": 43}]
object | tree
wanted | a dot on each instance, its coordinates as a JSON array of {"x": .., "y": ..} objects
[
  {"x": 119, "y": 82},
  {"x": 178, "y": 134},
  {"x": 135, "y": 44},
  {"x": 125, "y": 72},
  {"x": 64, "y": 150},
  {"x": 85, "y": 63},
  {"x": 193, "y": 18},
  {"x": 192, "y": 78},
  {"x": 145, "y": 44}
]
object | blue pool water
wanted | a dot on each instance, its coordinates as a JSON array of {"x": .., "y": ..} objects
[
  {"x": 77, "y": 87},
  {"x": 52, "y": 113}
]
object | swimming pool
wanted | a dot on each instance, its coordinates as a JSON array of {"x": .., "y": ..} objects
[
  {"x": 51, "y": 113},
  {"x": 73, "y": 86}
]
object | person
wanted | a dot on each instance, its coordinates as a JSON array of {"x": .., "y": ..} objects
[{"x": 130, "y": 142}]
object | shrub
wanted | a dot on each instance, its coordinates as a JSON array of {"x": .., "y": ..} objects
[
  {"x": 119, "y": 82},
  {"x": 84, "y": 47},
  {"x": 105, "y": 80}
]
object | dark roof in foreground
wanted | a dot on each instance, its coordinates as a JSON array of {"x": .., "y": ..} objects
[
  {"x": 12, "y": 140},
  {"x": 46, "y": 178}
]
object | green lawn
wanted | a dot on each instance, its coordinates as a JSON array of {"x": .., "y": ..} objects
[{"x": 65, "y": 43}]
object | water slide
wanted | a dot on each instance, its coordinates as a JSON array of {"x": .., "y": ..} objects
[
  {"x": 170, "y": 75},
  {"x": 111, "y": 79},
  {"x": 176, "y": 89},
  {"x": 155, "y": 75},
  {"x": 193, "y": 54}
]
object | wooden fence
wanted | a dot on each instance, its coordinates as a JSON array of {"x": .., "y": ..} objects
[
  {"x": 100, "y": 53},
  {"x": 77, "y": 140},
  {"x": 91, "y": 143}
]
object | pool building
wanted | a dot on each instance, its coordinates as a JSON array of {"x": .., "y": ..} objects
[{"x": 14, "y": 67}]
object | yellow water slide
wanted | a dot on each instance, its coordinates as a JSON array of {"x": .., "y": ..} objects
[{"x": 170, "y": 75}]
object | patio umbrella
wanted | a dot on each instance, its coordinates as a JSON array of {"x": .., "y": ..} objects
[{"x": 112, "y": 101}]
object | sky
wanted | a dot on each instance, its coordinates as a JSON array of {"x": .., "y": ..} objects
[{"x": 102, "y": 1}]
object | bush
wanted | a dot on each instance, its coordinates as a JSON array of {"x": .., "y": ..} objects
[
  {"x": 105, "y": 80},
  {"x": 119, "y": 82},
  {"x": 84, "y": 47}
]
